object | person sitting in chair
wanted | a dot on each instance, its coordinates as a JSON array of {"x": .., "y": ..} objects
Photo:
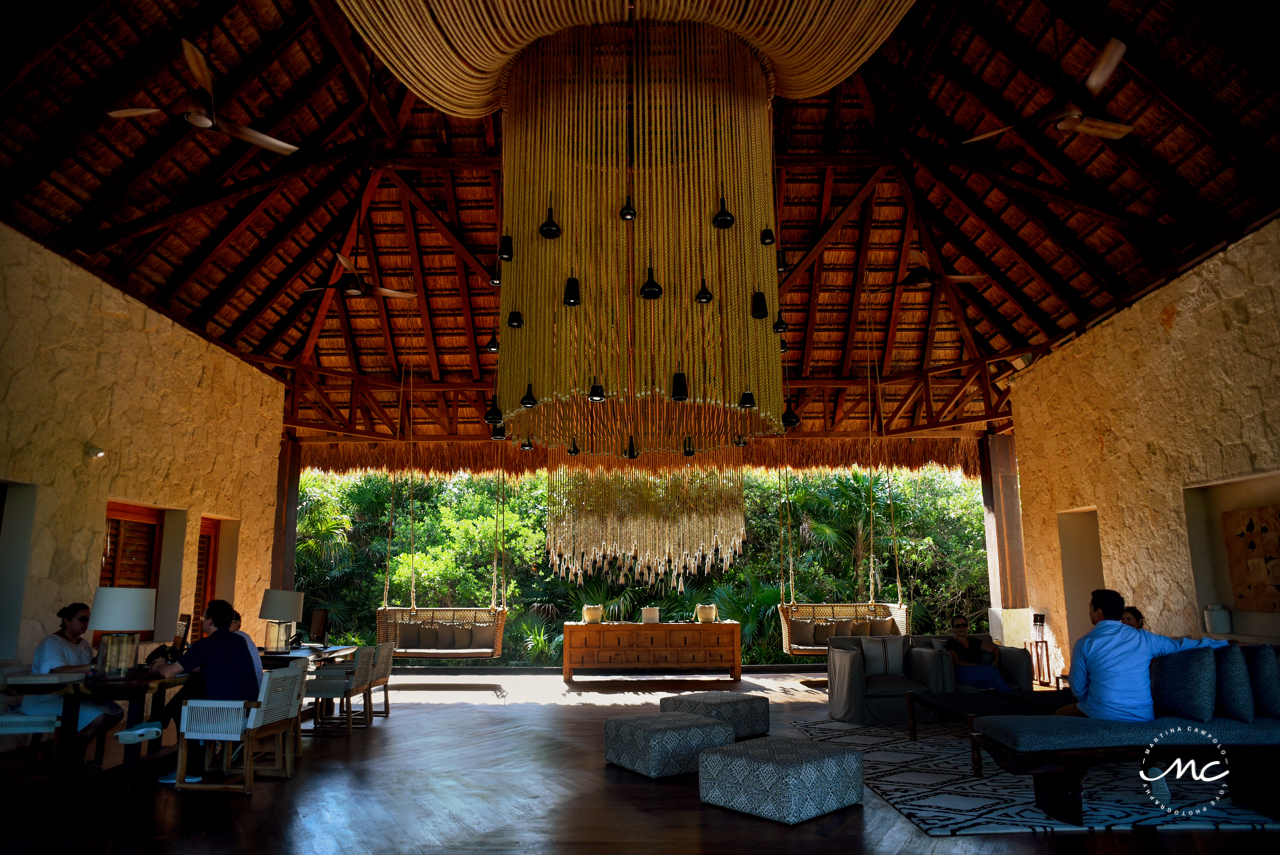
[
  {"x": 975, "y": 660},
  {"x": 253, "y": 648},
  {"x": 67, "y": 651},
  {"x": 1133, "y": 617},
  {"x": 1111, "y": 665}
]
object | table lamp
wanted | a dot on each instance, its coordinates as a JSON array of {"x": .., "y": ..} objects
[
  {"x": 281, "y": 610},
  {"x": 121, "y": 614}
]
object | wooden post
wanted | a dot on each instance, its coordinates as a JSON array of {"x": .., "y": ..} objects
[
  {"x": 286, "y": 517},
  {"x": 1002, "y": 516}
]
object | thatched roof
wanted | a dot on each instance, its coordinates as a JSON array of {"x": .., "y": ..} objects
[{"x": 226, "y": 239}]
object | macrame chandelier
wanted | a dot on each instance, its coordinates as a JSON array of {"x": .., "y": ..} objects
[
  {"x": 639, "y": 305},
  {"x": 631, "y": 527}
]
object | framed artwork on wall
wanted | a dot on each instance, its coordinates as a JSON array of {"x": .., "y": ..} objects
[{"x": 1253, "y": 556}]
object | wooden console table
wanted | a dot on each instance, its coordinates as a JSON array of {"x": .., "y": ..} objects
[{"x": 661, "y": 646}]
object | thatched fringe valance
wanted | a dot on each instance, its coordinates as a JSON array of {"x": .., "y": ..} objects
[
  {"x": 482, "y": 458},
  {"x": 452, "y": 53}
]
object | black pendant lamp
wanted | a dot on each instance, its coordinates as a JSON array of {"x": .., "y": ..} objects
[
  {"x": 759, "y": 307},
  {"x": 492, "y": 344},
  {"x": 688, "y": 446},
  {"x": 504, "y": 248},
  {"x": 631, "y": 453},
  {"x": 572, "y": 292},
  {"x": 526, "y": 445},
  {"x": 549, "y": 229},
  {"x": 515, "y": 320},
  {"x": 493, "y": 415},
  {"x": 679, "y": 387},
  {"x": 789, "y": 418},
  {"x": 499, "y": 432},
  {"x": 528, "y": 401},
  {"x": 628, "y": 211},
  {"x": 650, "y": 290},
  {"x": 596, "y": 395},
  {"x": 704, "y": 293},
  {"x": 780, "y": 326},
  {"x": 782, "y": 265},
  {"x": 723, "y": 219},
  {"x": 495, "y": 279},
  {"x": 740, "y": 442},
  {"x": 573, "y": 450},
  {"x": 747, "y": 401},
  {"x": 767, "y": 238}
]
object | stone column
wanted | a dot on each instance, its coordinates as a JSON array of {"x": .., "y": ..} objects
[
  {"x": 286, "y": 519},
  {"x": 1002, "y": 517}
]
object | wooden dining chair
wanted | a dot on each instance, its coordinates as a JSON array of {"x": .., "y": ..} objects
[
  {"x": 342, "y": 682},
  {"x": 381, "y": 676}
]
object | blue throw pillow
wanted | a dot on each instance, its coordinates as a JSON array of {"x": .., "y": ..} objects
[
  {"x": 1264, "y": 678},
  {"x": 1235, "y": 694},
  {"x": 1183, "y": 684}
]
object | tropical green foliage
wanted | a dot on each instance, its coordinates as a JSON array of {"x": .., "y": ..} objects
[{"x": 850, "y": 535}]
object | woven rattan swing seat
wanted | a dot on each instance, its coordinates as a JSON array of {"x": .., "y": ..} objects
[
  {"x": 391, "y": 617},
  {"x": 837, "y": 612}
]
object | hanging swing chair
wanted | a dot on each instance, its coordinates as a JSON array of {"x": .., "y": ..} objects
[
  {"x": 825, "y": 614},
  {"x": 444, "y": 633}
]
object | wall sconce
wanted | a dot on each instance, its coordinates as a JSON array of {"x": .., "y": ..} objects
[{"x": 92, "y": 451}]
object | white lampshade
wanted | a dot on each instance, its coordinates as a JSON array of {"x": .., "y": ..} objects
[
  {"x": 123, "y": 610},
  {"x": 281, "y": 605}
]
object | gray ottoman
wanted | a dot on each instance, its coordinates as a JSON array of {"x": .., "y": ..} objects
[
  {"x": 788, "y": 780},
  {"x": 749, "y": 714},
  {"x": 663, "y": 744}
]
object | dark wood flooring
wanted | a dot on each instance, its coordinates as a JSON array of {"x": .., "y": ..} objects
[{"x": 501, "y": 764}]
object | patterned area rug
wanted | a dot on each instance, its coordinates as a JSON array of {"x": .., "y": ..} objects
[{"x": 930, "y": 782}]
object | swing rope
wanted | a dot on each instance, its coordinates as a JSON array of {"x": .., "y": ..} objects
[{"x": 893, "y": 523}]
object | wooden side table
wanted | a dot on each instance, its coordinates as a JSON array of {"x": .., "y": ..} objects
[{"x": 1040, "y": 661}]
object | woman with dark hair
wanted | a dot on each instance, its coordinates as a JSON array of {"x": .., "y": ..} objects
[
  {"x": 67, "y": 651},
  {"x": 1133, "y": 617}
]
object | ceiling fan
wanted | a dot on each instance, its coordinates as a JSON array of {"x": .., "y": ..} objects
[
  {"x": 351, "y": 285},
  {"x": 199, "y": 109},
  {"x": 919, "y": 273},
  {"x": 1066, "y": 116}
]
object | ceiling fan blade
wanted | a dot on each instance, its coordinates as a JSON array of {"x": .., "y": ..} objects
[
  {"x": 1108, "y": 62},
  {"x": 311, "y": 290},
  {"x": 916, "y": 258},
  {"x": 199, "y": 66},
  {"x": 346, "y": 262},
  {"x": 1099, "y": 128},
  {"x": 133, "y": 111},
  {"x": 393, "y": 295},
  {"x": 249, "y": 135},
  {"x": 988, "y": 135}
]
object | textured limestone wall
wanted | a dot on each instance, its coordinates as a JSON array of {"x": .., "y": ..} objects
[
  {"x": 1181, "y": 389},
  {"x": 185, "y": 425}
]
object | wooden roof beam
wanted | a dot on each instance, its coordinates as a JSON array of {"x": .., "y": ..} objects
[
  {"x": 815, "y": 288},
  {"x": 859, "y": 281},
  {"x": 833, "y": 229},
  {"x": 411, "y": 196},
  {"x": 375, "y": 274},
  {"x": 419, "y": 284},
  {"x": 464, "y": 291},
  {"x": 337, "y": 30}
]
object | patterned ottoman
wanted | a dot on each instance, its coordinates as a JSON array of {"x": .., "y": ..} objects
[
  {"x": 788, "y": 780},
  {"x": 748, "y": 714},
  {"x": 664, "y": 744}
]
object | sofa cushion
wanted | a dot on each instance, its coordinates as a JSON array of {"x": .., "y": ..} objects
[
  {"x": 407, "y": 636},
  {"x": 1183, "y": 684},
  {"x": 883, "y": 626},
  {"x": 1060, "y": 732},
  {"x": 883, "y": 656},
  {"x": 1234, "y": 695},
  {"x": 445, "y": 641},
  {"x": 822, "y": 631},
  {"x": 461, "y": 637},
  {"x": 890, "y": 686},
  {"x": 428, "y": 638},
  {"x": 1264, "y": 678},
  {"x": 482, "y": 635},
  {"x": 802, "y": 633}
]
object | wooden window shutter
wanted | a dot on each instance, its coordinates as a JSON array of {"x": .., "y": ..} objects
[{"x": 131, "y": 553}]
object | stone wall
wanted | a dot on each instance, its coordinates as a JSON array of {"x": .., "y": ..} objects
[
  {"x": 185, "y": 425},
  {"x": 1181, "y": 389}
]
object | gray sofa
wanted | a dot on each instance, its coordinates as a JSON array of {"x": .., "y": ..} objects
[{"x": 857, "y": 694}]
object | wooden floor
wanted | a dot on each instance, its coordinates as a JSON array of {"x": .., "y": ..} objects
[{"x": 501, "y": 764}]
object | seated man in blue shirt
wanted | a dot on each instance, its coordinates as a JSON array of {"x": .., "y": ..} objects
[{"x": 1111, "y": 666}]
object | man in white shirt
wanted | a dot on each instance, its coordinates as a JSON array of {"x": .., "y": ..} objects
[
  {"x": 1111, "y": 666},
  {"x": 248, "y": 639}
]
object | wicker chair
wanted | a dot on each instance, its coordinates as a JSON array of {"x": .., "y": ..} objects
[
  {"x": 837, "y": 612},
  {"x": 381, "y": 676},
  {"x": 16, "y": 724},
  {"x": 342, "y": 683},
  {"x": 274, "y": 713}
]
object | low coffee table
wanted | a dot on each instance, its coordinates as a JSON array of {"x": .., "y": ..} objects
[{"x": 965, "y": 705}]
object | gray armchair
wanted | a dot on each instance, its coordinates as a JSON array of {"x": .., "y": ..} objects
[
  {"x": 860, "y": 697},
  {"x": 854, "y": 695}
]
